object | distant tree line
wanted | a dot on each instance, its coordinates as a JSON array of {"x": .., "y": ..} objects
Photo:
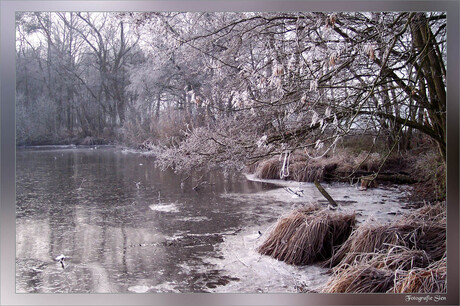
[{"x": 72, "y": 73}]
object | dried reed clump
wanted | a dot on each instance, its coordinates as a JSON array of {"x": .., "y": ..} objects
[
  {"x": 269, "y": 169},
  {"x": 430, "y": 213},
  {"x": 307, "y": 171},
  {"x": 389, "y": 275},
  {"x": 360, "y": 279},
  {"x": 430, "y": 171},
  {"x": 300, "y": 169},
  {"x": 407, "y": 256},
  {"x": 251, "y": 168},
  {"x": 432, "y": 279},
  {"x": 307, "y": 235},
  {"x": 395, "y": 258},
  {"x": 368, "y": 238},
  {"x": 304, "y": 169}
]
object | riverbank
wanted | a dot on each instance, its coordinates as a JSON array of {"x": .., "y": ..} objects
[
  {"x": 424, "y": 170},
  {"x": 66, "y": 141},
  {"x": 351, "y": 162},
  {"x": 383, "y": 219},
  {"x": 260, "y": 273}
]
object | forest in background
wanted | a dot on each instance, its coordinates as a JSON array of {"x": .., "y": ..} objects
[{"x": 234, "y": 89}]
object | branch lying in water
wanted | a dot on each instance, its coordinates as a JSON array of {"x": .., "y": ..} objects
[{"x": 325, "y": 194}]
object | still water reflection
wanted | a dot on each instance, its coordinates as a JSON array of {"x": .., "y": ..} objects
[{"x": 123, "y": 225}]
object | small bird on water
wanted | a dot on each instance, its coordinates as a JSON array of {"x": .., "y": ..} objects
[{"x": 61, "y": 258}]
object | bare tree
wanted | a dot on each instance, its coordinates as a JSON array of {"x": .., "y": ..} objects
[
  {"x": 234, "y": 88},
  {"x": 305, "y": 80}
]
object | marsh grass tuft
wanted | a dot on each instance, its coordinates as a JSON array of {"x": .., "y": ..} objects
[
  {"x": 408, "y": 256},
  {"x": 432, "y": 279},
  {"x": 374, "y": 238},
  {"x": 360, "y": 279},
  {"x": 334, "y": 166},
  {"x": 307, "y": 235}
]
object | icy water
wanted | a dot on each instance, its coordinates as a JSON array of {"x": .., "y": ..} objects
[{"x": 125, "y": 226}]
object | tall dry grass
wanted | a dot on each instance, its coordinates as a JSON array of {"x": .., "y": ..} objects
[
  {"x": 429, "y": 213},
  {"x": 333, "y": 166},
  {"x": 432, "y": 279},
  {"x": 430, "y": 171},
  {"x": 268, "y": 169},
  {"x": 359, "y": 279},
  {"x": 307, "y": 235},
  {"x": 409, "y": 256},
  {"x": 371, "y": 238},
  {"x": 396, "y": 258}
]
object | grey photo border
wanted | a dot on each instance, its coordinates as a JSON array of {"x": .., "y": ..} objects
[{"x": 7, "y": 154}]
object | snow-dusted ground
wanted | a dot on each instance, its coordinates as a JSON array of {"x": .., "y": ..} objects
[{"x": 258, "y": 273}]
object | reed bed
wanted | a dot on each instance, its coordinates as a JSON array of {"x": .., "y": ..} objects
[
  {"x": 429, "y": 213},
  {"x": 393, "y": 272},
  {"x": 432, "y": 279},
  {"x": 369, "y": 239},
  {"x": 368, "y": 161},
  {"x": 307, "y": 172},
  {"x": 300, "y": 169},
  {"x": 307, "y": 235},
  {"x": 268, "y": 169},
  {"x": 360, "y": 279},
  {"x": 408, "y": 256},
  {"x": 398, "y": 258},
  {"x": 304, "y": 169},
  {"x": 367, "y": 278}
]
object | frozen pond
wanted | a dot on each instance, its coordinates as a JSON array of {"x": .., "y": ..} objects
[{"x": 125, "y": 226}]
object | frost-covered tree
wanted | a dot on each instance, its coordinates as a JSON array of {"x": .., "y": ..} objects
[
  {"x": 305, "y": 80},
  {"x": 231, "y": 88},
  {"x": 79, "y": 66}
]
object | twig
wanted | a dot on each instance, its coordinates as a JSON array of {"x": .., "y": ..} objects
[{"x": 297, "y": 193}]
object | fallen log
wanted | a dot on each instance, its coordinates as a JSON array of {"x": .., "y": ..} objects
[{"x": 325, "y": 194}]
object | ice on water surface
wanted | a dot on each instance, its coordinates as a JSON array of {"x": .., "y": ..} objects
[
  {"x": 171, "y": 207},
  {"x": 139, "y": 289},
  {"x": 260, "y": 273},
  {"x": 119, "y": 234}
]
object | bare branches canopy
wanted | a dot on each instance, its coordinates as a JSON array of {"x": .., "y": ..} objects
[{"x": 227, "y": 89}]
